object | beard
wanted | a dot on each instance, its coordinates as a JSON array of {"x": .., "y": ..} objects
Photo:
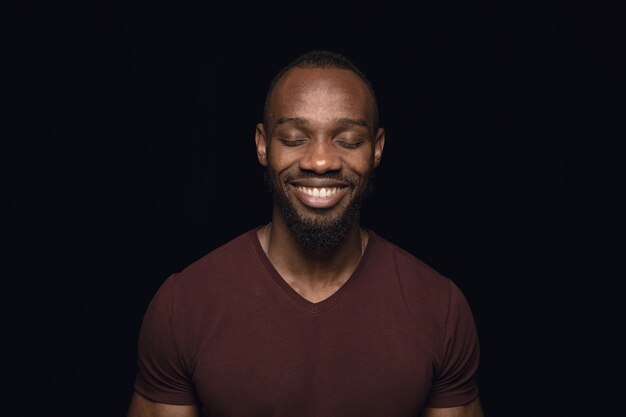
[{"x": 327, "y": 229}]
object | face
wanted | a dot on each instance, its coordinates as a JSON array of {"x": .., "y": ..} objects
[{"x": 320, "y": 150}]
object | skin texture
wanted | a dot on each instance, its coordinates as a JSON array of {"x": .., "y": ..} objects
[
  {"x": 473, "y": 409},
  {"x": 143, "y": 407},
  {"x": 320, "y": 122}
]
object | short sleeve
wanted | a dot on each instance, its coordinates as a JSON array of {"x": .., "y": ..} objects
[
  {"x": 455, "y": 383},
  {"x": 162, "y": 376}
]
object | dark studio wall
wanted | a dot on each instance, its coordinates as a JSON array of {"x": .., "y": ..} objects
[{"x": 131, "y": 135}]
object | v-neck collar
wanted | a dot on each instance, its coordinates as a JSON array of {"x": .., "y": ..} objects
[{"x": 330, "y": 301}]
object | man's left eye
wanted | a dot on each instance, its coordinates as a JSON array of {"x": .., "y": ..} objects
[{"x": 349, "y": 145}]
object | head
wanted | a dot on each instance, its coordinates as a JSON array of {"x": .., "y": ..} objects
[
  {"x": 320, "y": 60},
  {"x": 320, "y": 142}
]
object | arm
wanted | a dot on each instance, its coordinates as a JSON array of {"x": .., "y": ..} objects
[
  {"x": 472, "y": 409},
  {"x": 455, "y": 381},
  {"x": 163, "y": 387},
  {"x": 142, "y": 407}
]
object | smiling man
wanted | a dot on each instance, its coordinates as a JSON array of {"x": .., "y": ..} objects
[{"x": 311, "y": 314}]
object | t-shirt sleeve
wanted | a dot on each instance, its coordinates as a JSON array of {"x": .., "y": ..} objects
[
  {"x": 162, "y": 376},
  {"x": 454, "y": 383}
]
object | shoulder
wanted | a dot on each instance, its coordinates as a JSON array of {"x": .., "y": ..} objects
[
  {"x": 217, "y": 268},
  {"x": 205, "y": 287},
  {"x": 436, "y": 305},
  {"x": 416, "y": 276},
  {"x": 431, "y": 298}
]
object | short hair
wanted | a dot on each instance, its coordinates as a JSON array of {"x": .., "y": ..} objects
[{"x": 320, "y": 59}]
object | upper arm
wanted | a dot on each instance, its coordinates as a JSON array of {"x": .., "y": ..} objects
[
  {"x": 455, "y": 379},
  {"x": 140, "y": 406},
  {"x": 164, "y": 360},
  {"x": 473, "y": 409}
]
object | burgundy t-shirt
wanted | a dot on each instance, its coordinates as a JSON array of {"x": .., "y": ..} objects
[{"x": 229, "y": 334}]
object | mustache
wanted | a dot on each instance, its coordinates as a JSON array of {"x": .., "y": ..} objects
[{"x": 312, "y": 175}]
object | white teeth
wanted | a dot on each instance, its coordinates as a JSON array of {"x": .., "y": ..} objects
[{"x": 319, "y": 192}]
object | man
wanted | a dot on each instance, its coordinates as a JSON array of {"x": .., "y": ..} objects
[{"x": 311, "y": 314}]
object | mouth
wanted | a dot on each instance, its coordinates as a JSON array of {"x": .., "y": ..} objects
[
  {"x": 319, "y": 195},
  {"x": 319, "y": 192}
]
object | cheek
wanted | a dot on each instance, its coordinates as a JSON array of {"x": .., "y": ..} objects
[
  {"x": 280, "y": 160},
  {"x": 280, "y": 168},
  {"x": 362, "y": 163},
  {"x": 274, "y": 164}
]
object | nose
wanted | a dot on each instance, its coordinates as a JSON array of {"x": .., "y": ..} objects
[{"x": 320, "y": 157}]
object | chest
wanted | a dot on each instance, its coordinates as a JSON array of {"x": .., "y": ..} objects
[{"x": 339, "y": 363}]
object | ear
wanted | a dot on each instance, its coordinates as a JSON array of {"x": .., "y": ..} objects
[
  {"x": 379, "y": 144},
  {"x": 261, "y": 144}
]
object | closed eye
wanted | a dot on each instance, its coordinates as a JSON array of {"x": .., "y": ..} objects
[
  {"x": 292, "y": 142},
  {"x": 349, "y": 145}
]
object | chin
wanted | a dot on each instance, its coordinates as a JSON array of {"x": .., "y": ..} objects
[
  {"x": 319, "y": 235},
  {"x": 323, "y": 229}
]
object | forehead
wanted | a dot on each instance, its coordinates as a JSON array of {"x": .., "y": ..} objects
[{"x": 321, "y": 93}]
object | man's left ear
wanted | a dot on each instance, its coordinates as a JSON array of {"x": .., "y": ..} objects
[{"x": 379, "y": 144}]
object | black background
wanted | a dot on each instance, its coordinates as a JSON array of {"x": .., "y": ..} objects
[{"x": 129, "y": 130}]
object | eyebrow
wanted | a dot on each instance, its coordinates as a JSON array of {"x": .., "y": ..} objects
[
  {"x": 343, "y": 121},
  {"x": 292, "y": 120}
]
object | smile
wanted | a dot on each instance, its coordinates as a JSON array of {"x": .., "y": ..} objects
[
  {"x": 319, "y": 192},
  {"x": 319, "y": 197}
]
